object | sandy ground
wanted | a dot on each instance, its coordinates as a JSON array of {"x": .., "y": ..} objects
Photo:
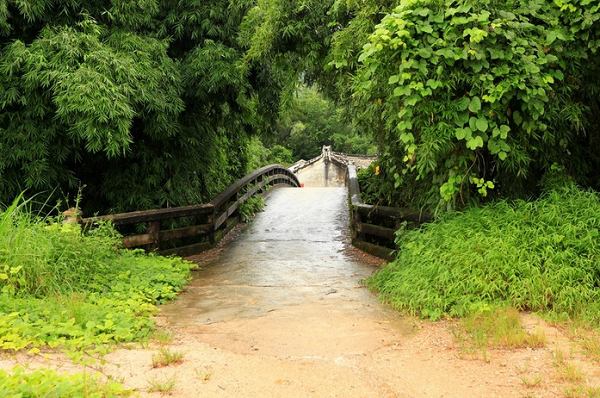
[{"x": 373, "y": 353}]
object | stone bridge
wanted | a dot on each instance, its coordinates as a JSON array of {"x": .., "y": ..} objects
[{"x": 329, "y": 168}]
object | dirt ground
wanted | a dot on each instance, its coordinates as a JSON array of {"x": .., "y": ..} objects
[{"x": 374, "y": 353}]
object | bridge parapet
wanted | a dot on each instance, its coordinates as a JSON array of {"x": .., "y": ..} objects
[
  {"x": 374, "y": 228},
  {"x": 344, "y": 160}
]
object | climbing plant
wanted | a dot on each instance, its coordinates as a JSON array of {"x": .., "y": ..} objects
[{"x": 469, "y": 99}]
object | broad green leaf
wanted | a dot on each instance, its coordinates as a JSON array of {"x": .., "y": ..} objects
[
  {"x": 475, "y": 105},
  {"x": 517, "y": 117},
  {"x": 475, "y": 142},
  {"x": 425, "y": 52},
  {"x": 463, "y": 103},
  {"x": 482, "y": 124},
  {"x": 558, "y": 74},
  {"x": 504, "y": 129},
  {"x": 422, "y": 12},
  {"x": 427, "y": 28},
  {"x": 473, "y": 123},
  {"x": 412, "y": 100},
  {"x": 401, "y": 90},
  {"x": 407, "y": 137},
  {"x": 461, "y": 118}
]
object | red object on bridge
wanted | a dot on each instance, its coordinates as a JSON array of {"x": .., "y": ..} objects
[{"x": 301, "y": 185}]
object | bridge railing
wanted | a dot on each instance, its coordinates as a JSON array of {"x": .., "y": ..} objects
[
  {"x": 212, "y": 220},
  {"x": 374, "y": 227}
]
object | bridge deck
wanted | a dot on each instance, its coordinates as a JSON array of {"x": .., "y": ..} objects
[{"x": 294, "y": 252}]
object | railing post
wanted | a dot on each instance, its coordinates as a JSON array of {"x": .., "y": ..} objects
[{"x": 153, "y": 228}]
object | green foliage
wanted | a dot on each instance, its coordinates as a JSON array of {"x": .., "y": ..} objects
[
  {"x": 259, "y": 155},
  {"x": 498, "y": 327},
  {"x": 250, "y": 207},
  {"x": 312, "y": 121},
  {"x": 481, "y": 98},
  {"x": 537, "y": 256},
  {"x": 148, "y": 104},
  {"x": 47, "y": 383},
  {"x": 369, "y": 182},
  {"x": 60, "y": 287}
]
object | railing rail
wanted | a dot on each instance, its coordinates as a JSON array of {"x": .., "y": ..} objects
[
  {"x": 374, "y": 227},
  {"x": 216, "y": 218}
]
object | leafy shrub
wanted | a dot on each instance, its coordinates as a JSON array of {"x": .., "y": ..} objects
[
  {"x": 250, "y": 207},
  {"x": 539, "y": 256},
  {"x": 62, "y": 287}
]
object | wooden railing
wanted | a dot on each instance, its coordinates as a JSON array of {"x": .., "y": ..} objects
[
  {"x": 374, "y": 227},
  {"x": 212, "y": 220}
]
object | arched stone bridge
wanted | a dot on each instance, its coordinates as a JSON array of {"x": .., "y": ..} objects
[{"x": 330, "y": 168}]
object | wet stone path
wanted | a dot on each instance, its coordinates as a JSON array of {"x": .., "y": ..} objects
[{"x": 291, "y": 264}]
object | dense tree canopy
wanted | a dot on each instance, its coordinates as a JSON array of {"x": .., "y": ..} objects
[
  {"x": 147, "y": 103},
  {"x": 153, "y": 103},
  {"x": 311, "y": 121}
]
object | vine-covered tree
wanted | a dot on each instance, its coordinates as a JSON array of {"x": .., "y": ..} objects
[
  {"x": 475, "y": 98},
  {"x": 466, "y": 100}
]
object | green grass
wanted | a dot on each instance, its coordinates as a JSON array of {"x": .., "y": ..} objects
[
  {"x": 47, "y": 383},
  {"x": 74, "y": 290},
  {"x": 163, "y": 386},
  {"x": 166, "y": 357},
  {"x": 500, "y": 327},
  {"x": 540, "y": 256}
]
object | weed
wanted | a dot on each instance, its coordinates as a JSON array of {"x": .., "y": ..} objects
[
  {"x": 559, "y": 358},
  {"x": 574, "y": 391},
  {"x": 61, "y": 286},
  {"x": 73, "y": 289},
  {"x": 166, "y": 357},
  {"x": 531, "y": 382},
  {"x": 592, "y": 346},
  {"x": 162, "y": 336},
  {"x": 162, "y": 386},
  {"x": 204, "y": 374},
  {"x": 500, "y": 327},
  {"x": 250, "y": 207},
  {"x": 571, "y": 372},
  {"x": 593, "y": 392},
  {"x": 47, "y": 383}
]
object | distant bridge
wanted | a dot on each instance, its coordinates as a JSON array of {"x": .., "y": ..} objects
[{"x": 330, "y": 168}]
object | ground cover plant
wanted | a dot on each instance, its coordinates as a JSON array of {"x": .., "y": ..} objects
[
  {"x": 74, "y": 290},
  {"x": 48, "y": 383},
  {"x": 538, "y": 256}
]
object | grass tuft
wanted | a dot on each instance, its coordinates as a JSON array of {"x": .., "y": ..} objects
[
  {"x": 166, "y": 357},
  {"x": 162, "y": 386},
  {"x": 500, "y": 327}
]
